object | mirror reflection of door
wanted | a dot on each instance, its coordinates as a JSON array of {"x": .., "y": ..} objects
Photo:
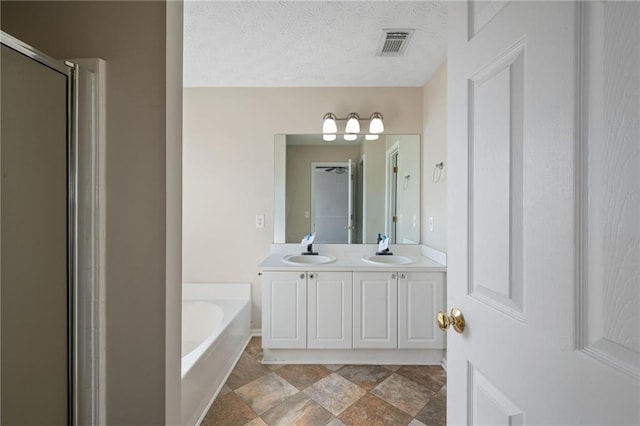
[
  {"x": 359, "y": 211},
  {"x": 402, "y": 198},
  {"x": 332, "y": 202},
  {"x": 392, "y": 193}
]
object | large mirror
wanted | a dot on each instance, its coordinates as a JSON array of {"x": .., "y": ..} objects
[{"x": 347, "y": 191}]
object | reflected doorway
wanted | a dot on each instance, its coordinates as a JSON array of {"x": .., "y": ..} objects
[{"x": 332, "y": 202}]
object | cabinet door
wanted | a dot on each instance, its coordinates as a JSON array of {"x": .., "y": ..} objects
[
  {"x": 420, "y": 297},
  {"x": 375, "y": 310},
  {"x": 284, "y": 310},
  {"x": 330, "y": 304}
]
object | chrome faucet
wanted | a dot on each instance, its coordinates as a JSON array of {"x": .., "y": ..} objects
[
  {"x": 308, "y": 240},
  {"x": 384, "y": 252},
  {"x": 310, "y": 250}
]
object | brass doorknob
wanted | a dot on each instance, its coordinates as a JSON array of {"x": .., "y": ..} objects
[{"x": 456, "y": 319}]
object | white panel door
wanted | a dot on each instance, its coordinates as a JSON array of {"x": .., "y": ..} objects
[
  {"x": 284, "y": 310},
  {"x": 544, "y": 212},
  {"x": 420, "y": 297},
  {"x": 375, "y": 310},
  {"x": 330, "y": 305}
]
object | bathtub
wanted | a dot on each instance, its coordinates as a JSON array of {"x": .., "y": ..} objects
[{"x": 215, "y": 329}]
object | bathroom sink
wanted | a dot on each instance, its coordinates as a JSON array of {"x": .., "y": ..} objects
[
  {"x": 387, "y": 259},
  {"x": 299, "y": 259}
]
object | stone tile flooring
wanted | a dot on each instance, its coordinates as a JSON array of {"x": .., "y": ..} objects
[{"x": 332, "y": 395}]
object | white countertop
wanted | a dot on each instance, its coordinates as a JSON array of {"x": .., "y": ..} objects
[{"x": 349, "y": 258}]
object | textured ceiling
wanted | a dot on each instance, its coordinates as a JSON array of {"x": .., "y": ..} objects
[{"x": 309, "y": 43}]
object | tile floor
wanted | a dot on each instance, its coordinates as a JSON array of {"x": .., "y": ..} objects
[{"x": 332, "y": 395}]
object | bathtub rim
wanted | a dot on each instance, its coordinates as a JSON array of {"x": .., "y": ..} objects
[
  {"x": 230, "y": 308},
  {"x": 223, "y": 382}
]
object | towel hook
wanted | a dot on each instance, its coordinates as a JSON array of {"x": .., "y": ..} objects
[
  {"x": 405, "y": 184},
  {"x": 437, "y": 171}
]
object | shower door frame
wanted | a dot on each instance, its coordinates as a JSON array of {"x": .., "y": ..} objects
[{"x": 68, "y": 70}]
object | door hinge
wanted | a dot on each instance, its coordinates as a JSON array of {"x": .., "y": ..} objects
[
  {"x": 395, "y": 219},
  {"x": 395, "y": 169}
]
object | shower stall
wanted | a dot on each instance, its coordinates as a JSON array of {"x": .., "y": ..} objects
[{"x": 50, "y": 259}]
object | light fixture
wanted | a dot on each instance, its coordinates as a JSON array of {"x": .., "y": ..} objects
[
  {"x": 353, "y": 123},
  {"x": 376, "y": 125},
  {"x": 352, "y": 128},
  {"x": 329, "y": 124}
]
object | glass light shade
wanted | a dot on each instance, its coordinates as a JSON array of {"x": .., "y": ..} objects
[
  {"x": 350, "y": 137},
  {"x": 353, "y": 125},
  {"x": 329, "y": 137},
  {"x": 371, "y": 137},
  {"x": 376, "y": 126},
  {"x": 329, "y": 123}
]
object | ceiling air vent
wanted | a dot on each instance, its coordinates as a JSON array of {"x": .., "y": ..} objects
[{"x": 394, "y": 42}]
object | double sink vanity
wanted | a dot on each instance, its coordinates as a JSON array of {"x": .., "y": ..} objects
[
  {"x": 346, "y": 304},
  {"x": 349, "y": 305}
]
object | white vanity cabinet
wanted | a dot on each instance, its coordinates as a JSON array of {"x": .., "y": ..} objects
[
  {"x": 397, "y": 310},
  {"x": 420, "y": 297},
  {"x": 329, "y": 304},
  {"x": 375, "y": 310},
  {"x": 284, "y": 310},
  {"x": 307, "y": 310},
  {"x": 359, "y": 315}
]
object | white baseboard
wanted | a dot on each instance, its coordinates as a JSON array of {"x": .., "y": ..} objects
[
  {"x": 255, "y": 332},
  {"x": 353, "y": 356}
]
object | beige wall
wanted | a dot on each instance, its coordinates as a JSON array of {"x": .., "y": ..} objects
[
  {"x": 434, "y": 150},
  {"x": 131, "y": 37},
  {"x": 228, "y": 166},
  {"x": 298, "y": 183}
]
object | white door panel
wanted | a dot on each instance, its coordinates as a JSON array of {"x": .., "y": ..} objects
[
  {"x": 609, "y": 322},
  {"x": 544, "y": 212},
  {"x": 487, "y": 405},
  {"x": 495, "y": 185}
]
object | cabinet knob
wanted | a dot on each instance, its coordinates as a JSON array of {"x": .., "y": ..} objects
[
  {"x": 311, "y": 276},
  {"x": 301, "y": 276},
  {"x": 393, "y": 276},
  {"x": 403, "y": 276}
]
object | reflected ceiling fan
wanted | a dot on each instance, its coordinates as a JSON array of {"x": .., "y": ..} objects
[{"x": 338, "y": 169}]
